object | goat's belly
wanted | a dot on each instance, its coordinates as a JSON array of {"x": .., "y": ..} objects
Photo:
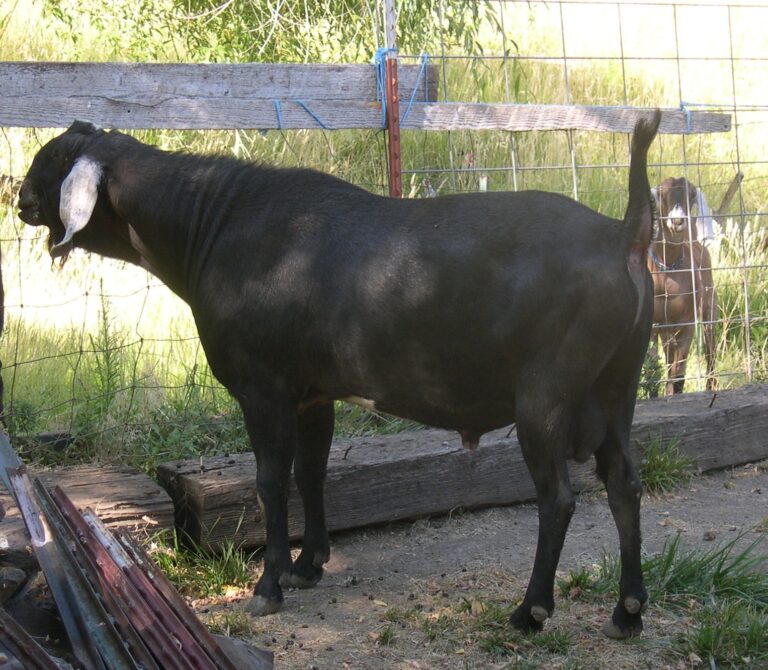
[{"x": 479, "y": 418}]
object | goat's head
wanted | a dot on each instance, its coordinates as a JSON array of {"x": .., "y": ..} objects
[
  {"x": 66, "y": 188},
  {"x": 678, "y": 198}
]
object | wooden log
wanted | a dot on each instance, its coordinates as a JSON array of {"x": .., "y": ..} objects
[
  {"x": 425, "y": 472},
  {"x": 123, "y": 498},
  {"x": 202, "y": 96}
]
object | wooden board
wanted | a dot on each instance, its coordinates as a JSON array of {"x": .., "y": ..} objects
[
  {"x": 283, "y": 95},
  {"x": 425, "y": 472},
  {"x": 122, "y": 497},
  {"x": 204, "y": 96},
  {"x": 513, "y": 117}
]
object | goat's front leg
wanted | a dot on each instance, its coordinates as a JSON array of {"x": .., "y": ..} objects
[
  {"x": 624, "y": 492},
  {"x": 271, "y": 426},
  {"x": 676, "y": 344},
  {"x": 315, "y": 433},
  {"x": 542, "y": 443}
]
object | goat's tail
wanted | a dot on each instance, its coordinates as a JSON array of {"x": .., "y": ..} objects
[{"x": 641, "y": 210}]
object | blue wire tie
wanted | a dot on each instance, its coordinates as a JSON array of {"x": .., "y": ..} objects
[
  {"x": 311, "y": 113},
  {"x": 684, "y": 109},
  {"x": 422, "y": 70},
  {"x": 378, "y": 60},
  {"x": 277, "y": 113}
]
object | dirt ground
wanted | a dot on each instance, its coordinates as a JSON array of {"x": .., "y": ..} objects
[{"x": 358, "y": 616}]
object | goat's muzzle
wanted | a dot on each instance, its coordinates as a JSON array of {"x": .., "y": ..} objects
[{"x": 29, "y": 206}]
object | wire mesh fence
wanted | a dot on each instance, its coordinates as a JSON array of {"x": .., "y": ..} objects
[{"x": 100, "y": 360}]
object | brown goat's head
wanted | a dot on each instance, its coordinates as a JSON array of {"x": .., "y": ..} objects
[
  {"x": 680, "y": 202},
  {"x": 677, "y": 200}
]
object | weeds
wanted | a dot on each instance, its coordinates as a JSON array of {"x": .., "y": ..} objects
[
  {"x": 578, "y": 584},
  {"x": 729, "y": 634},
  {"x": 236, "y": 623},
  {"x": 663, "y": 468},
  {"x": 198, "y": 572},
  {"x": 386, "y": 637},
  {"x": 676, "y": 574},
  {"x": 723, "y": 590}
]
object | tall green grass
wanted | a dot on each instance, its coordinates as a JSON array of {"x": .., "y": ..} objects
[{"x": 104, "y": 352}]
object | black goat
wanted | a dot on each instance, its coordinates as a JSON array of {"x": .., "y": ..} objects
[{"x": 467, "y": 312}]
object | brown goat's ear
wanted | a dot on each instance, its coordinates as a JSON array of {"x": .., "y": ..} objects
[{"x": 79, "y": 192}]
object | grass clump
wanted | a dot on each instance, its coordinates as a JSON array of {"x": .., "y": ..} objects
[
  {"x": 729, "y": 634},
  {"x": 722, "y": 592},
  {"x": 236, "y": 623},
  {"x": 676, "y": 575},
  {"x": 485, "y": 624},
  {"x": 386, "y": 637},
  {"x": 583, "y": 584},
  {"x": 199, "y": 572},
  {"x": 663, "y": 468}
]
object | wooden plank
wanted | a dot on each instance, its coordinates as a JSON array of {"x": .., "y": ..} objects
[
  {"x": 207, "y": 96},
  {"x": 481, "y": 116},
  {"x": 176, "y": 95},
  {"x": 420, "y": 473},
  {"x": 191, "y": 113},
  {"x": 122, "y": 497}
]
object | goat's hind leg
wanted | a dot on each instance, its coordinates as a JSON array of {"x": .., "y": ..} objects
[
  {"x": 315, "y": 433},
  {"x": 542, "y": 435},
  {"x": 624, "y": 489}
]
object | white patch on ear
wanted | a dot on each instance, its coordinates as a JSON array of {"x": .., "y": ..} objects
[
  {"x": 705, "y": 224},
  {"x": 79, "y": 192}
]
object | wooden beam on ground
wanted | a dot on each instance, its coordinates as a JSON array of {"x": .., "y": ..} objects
[
  {"x": 200, "y": 96},
  {"x": 123, "y": 498},
  {"x": 521, "y": 117},
  {"x": 421, "y": 473}
]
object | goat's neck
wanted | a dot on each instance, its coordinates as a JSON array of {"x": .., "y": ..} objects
[
  {"x": 666, "y": 251},
  {"x": 166, "y": 201}
]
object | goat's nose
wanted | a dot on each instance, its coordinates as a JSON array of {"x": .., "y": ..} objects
[{"x": 27, "y": 198}]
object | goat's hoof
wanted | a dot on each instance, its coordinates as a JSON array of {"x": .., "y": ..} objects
[
  {"x": 613, "y": 631},
  {"x": 539, "y": 613},
  {"x": 633, "y": 605},
  {"x": 296, "y": 581},
  {"x": 523, "y": 620},
  {"x": 622, "y": 624},
  {"x": 261, "y": 606},
  {"x": 616, "y": 632}
]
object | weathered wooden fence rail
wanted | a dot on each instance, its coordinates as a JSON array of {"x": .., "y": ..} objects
[
  {"x": 267, "y": 95},
  {"x": 420, "y": 473}
]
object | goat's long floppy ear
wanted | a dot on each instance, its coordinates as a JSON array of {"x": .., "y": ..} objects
[
  {"x": 705, "y": 225},
  {"x": 79, "y": 192}
]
